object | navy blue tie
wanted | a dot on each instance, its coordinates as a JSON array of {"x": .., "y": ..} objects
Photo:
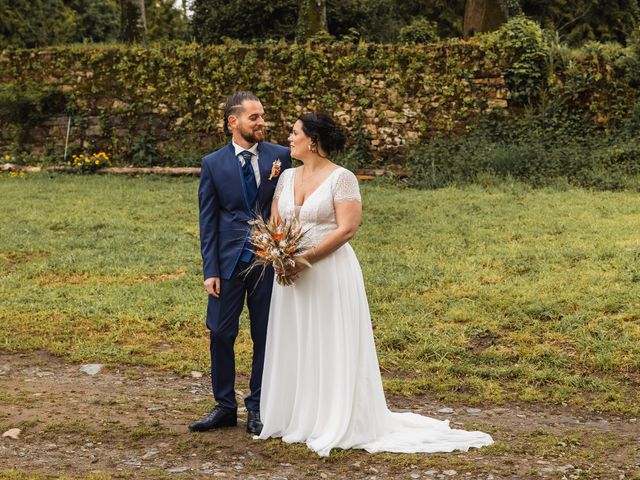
[
  {"x": 249, "y": 178},
  {"x": 251, "y": 188}
]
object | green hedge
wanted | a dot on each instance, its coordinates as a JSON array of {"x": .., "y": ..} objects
[
  {"x": 549, "y": 147},
  {"x": 160, "y": 105},
  {"x": 179, "y": 88}
]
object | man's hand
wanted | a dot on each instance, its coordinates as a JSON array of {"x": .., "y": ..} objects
[{"x": 212, "y": 286}]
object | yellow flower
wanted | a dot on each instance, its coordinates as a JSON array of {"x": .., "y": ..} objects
[
  {"x": 86, "y": 159},
  {"x": 97, "y": 162},
  {"x": 7, "y": 157}
]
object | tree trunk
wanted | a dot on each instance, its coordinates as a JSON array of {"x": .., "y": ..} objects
[
  {"x": 312, "y": 19},
  {"x": 484, "y": 16},
  {"x": 133, "y": 21}
]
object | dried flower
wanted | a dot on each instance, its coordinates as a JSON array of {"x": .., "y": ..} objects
[{"x": 276, "y": 242}]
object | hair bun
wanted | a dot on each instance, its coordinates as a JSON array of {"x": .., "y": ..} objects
[
  {"x": 323, "y": 129},
  {"x": 338, "y": 137}
]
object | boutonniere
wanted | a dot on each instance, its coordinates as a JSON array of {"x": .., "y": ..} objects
[{"x": 275, "y": 169}]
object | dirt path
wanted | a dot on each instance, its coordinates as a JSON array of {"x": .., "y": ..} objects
[{"x": 130, "y": 422}]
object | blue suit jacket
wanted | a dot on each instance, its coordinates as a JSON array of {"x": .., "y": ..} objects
[{"x": 224, "y": 209}]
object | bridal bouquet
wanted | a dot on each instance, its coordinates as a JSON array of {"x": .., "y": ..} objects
[{"x": 276, "y": 242}]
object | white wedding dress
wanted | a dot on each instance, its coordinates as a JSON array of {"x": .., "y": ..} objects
[{"x": 321, "y": 383}]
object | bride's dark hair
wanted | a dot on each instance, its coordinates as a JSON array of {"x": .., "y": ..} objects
[{"x": 322, "y": 129}]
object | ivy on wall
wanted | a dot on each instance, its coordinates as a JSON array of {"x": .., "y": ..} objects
[
  {"x": 175, "y": 91},
  {"x": 167, "y": 99}
]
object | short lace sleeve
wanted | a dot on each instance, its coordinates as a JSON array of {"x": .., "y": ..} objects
[
  {"x": 280, "y": 185},
  {"x": 346, "y": 187}
]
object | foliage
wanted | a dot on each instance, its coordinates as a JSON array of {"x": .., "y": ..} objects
[
  {"x": 579, "y": 21},
  {"x": 143, "y": 151},
  {"x": 12, "y": 174},
  {"x": 357, "y": 154},
  {"x": 38, "y": 23},
  {"x": 448, "y": 15},
  {"x": 24, "y": 106},
  {"x": 596, "y": 79},
  {"x": 243, "y": 20},
  {"x": 373, "y": 20},
  {"x": 94, "y": 21},
  {"x": 85, "y": 163},
  {"x": 173, "y": 91},
  {"x": 513, "y": 7},
  {"x": 420, "y": 30},
  {"x": 35, "y": 23},
  {"x": 631, "y": 126},
  {"x": 540, "y": 148},
  {"x": 631, "y": 62},
  {"x": 8, "y": 158},
  {"x": 382, "y": 20},
  {"x": 165, "y": 21},
  {"x": 526, "y": 76}
]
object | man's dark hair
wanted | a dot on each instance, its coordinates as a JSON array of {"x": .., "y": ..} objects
[{"x": 234, "y": 103}]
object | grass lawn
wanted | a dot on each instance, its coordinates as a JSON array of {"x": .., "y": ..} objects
[{"x": 477, "y": 294}]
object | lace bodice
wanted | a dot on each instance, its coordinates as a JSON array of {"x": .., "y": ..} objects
[{"x": 317, "y": 215}]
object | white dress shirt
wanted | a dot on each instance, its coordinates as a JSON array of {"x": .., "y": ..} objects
[{"x": 254, "y": 159}]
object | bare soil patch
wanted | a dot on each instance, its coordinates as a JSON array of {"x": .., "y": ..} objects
[{"x": 131, "y": 422}]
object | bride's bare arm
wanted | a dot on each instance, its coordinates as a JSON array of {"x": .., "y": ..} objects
[{"x": 275, "y": 214}]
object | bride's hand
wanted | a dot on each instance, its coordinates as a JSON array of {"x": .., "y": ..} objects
[
  {"x": 300, "y": 264},
  {"x": 284, "y": 272}
]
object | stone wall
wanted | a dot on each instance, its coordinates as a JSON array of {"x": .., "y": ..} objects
[{"x": 161, "y": 106}]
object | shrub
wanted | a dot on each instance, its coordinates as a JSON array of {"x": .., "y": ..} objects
[
  {"x": 357, "y": 153},
  {"x": 523, "y": 41},
  {"x": 632, "y": 61},
  {"x": 540, "y": 148},
  {"x": 420, "y": 30},
  {"x": 23, "y": 107},
  {"x": 143, "y": 151},
  {"x": 632, "y": 123}
]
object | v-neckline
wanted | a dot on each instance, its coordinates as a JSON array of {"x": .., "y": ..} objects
[{"x": 293, "y": 187}]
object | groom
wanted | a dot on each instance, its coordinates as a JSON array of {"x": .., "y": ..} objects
[{"x": 235, "y": 182}]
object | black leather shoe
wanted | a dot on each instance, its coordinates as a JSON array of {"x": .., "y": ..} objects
[
  {"x": 254, "y": 424},
  {"x": 218, "y": 418}
]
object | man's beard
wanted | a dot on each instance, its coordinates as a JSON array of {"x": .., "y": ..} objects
[{"x": 253, "y": 136}]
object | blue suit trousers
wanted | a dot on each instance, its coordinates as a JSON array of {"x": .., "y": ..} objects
[{"x": 223, "y": 321}]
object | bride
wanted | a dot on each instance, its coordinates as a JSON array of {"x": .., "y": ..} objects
[{"x": 321, "y": 383}]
